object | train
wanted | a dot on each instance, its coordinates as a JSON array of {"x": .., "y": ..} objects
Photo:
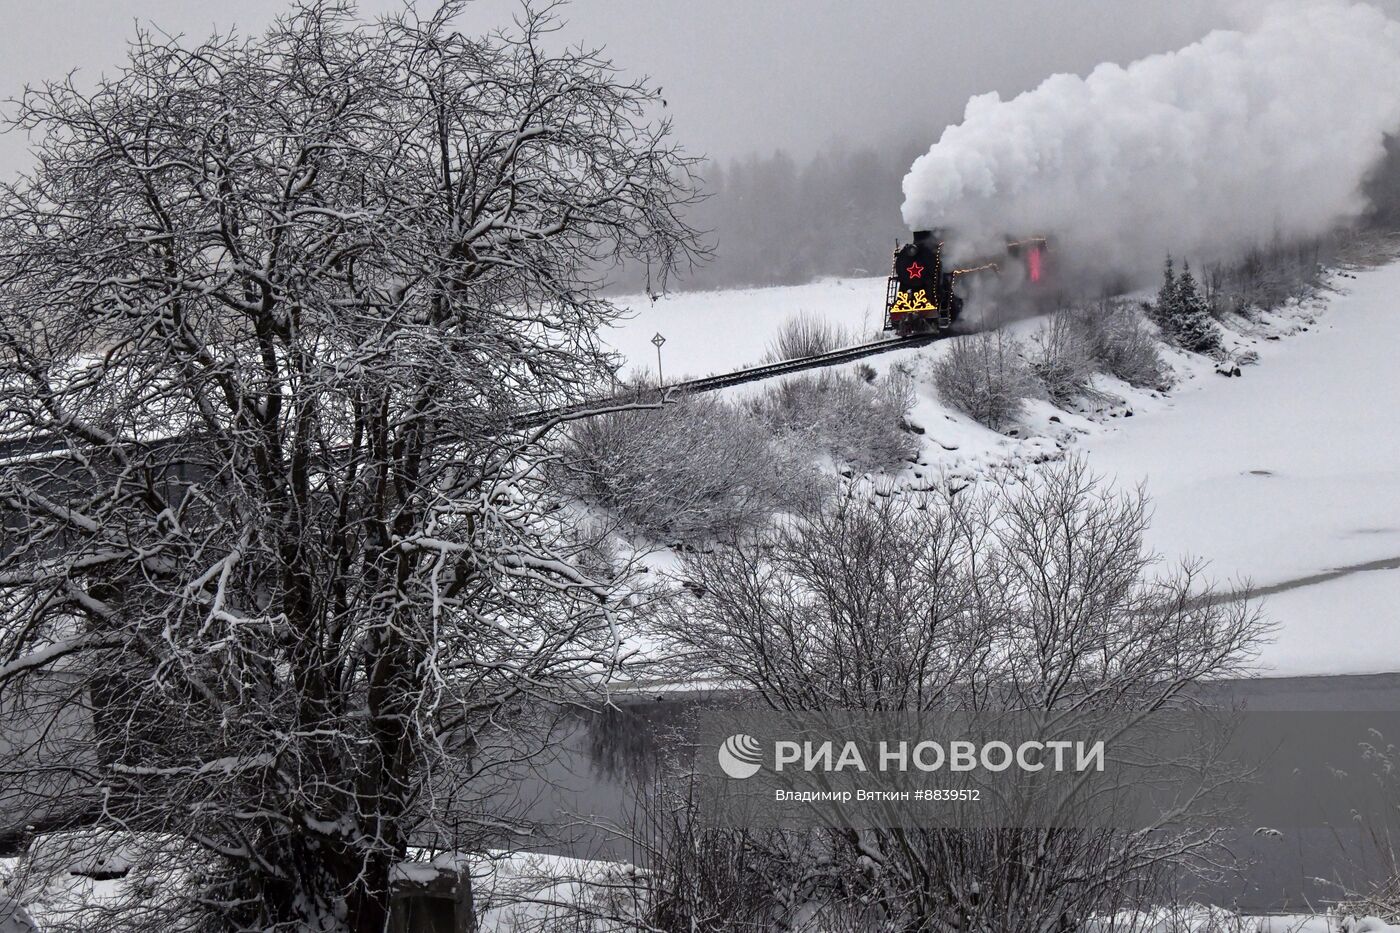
[{"x": 922, "y": 296}]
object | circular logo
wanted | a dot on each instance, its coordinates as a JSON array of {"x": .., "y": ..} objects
[{"x": 740, "y": 756}]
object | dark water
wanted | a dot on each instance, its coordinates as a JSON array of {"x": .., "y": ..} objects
[
  {"x": 1305, "y": 868},
  {"x": 597, "y": 795}
]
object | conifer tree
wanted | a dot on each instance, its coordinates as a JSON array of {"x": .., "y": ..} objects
[
  {"x": 1163, "y": 312},
  {"x": 1192, "y": 326},
  {"x": 1183, "y": 314},
  {"x": 1166, "y": 295}
]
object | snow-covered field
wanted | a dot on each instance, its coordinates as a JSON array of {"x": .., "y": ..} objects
[
  {"x": 1285, "y": 475},
  {"x": 721, "y": 331}
]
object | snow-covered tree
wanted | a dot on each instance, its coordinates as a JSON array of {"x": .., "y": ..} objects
[
  {"x": 1033, "y": 595},
  {"x": 267, "y": 309},
  {"x": 1183, "y": 313},
  {"x": 1167, "y": 294},
  {"x": 1195, "y": 329}
]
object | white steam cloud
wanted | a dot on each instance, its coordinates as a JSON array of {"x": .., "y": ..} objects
[{"x": 1204, "y": 151}]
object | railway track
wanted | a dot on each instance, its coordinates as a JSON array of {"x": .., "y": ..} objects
[{"x": 662, "y": 394}]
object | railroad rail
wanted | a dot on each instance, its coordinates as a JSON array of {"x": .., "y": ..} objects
[{"x": 662, "y": 394}]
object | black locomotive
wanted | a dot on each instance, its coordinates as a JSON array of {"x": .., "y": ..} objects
[{"x": 921, "y": 296}]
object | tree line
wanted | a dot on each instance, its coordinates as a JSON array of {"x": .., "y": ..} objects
[{"x": 779, "y": 220}]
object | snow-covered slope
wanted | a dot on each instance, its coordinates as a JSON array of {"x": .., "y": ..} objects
[
  {"x": 1289, "y": 476},
  {"x": 1289, "y": 473}
]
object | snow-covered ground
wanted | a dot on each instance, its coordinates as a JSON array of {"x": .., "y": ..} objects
[
  {"x": 515, "y": 892},
  {"x": 53, "y": 888},
  {"x": 722, "y": 331},
  {"x": 1291, "y": 472},
  {"x": 1284, "y": 476}
]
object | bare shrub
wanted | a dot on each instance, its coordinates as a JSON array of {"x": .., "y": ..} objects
[
  {"x": 724, "y": 879},
  {"x": 971, "y": 567},
  {"x": 1037, "y": 596},
  {"x": 702, "y": 878},
  {"x": 1377, "y": 840},
  {"x": 804, "y": 335},
  {"x": 1268, "y": 275},
  {"x": 854, "y": 421},
  {"x": 986, "y": 377},
  {"x": 1121, "y": 343},
  {"x": 1062, "y": 358},
  {"x": 699, "y": 469}
]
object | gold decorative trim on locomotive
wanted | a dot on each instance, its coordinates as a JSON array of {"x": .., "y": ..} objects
[
  {"x": 982, "y": 268},
  {"x": 907, "y": 304}
]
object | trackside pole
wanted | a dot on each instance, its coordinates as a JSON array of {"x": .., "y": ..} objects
[{"x": 657, "y": 341}]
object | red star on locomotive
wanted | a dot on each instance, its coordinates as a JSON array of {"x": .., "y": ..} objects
[{"x": 916, "y": 271}]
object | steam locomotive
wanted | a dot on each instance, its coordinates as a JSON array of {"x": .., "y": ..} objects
[{"x": 921, "y": 295}]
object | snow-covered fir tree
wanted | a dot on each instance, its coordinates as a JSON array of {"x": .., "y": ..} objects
[{"x": 1183, "y": 313}]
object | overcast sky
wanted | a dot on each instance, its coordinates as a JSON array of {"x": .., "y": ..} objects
[{"x": 739, "y": 75}]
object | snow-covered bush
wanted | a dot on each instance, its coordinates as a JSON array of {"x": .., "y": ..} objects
[
  {"x": 1121, "y": 343},
  {"x": 986, "y": 376},
  {"x": 855, "y": 422},
  {"x": 699, "y": 469},
  {"x": 804, "y": 335},
  {"x": 1061, "y": 357}
]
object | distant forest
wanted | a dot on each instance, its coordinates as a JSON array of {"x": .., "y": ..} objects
[
  {"x": 772, "y": 220},
  {"x": 775, "y": 220}
]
